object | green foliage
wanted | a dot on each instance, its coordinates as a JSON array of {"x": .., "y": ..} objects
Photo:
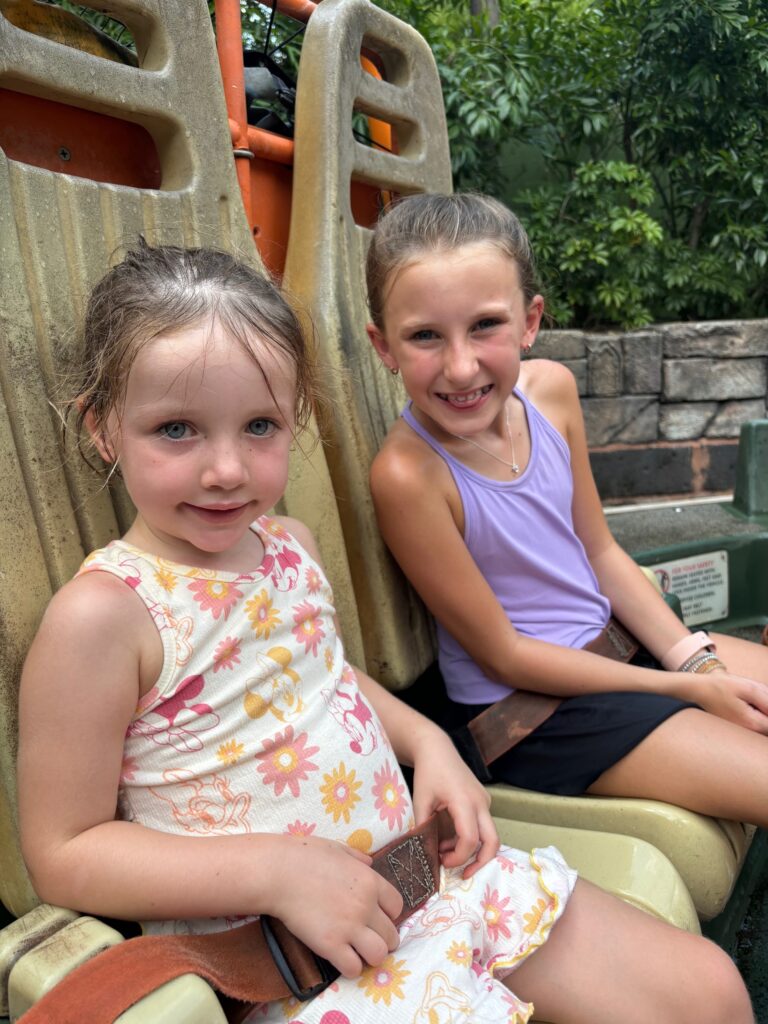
[{"x": 648, "y": 126}]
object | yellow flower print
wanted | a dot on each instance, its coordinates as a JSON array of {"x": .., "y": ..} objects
[
  {"x": 166, "y": 579},
  {"x": 459, "y": 953},
  {"x": 361, "y": 839},
  {"x": 383, "y": 982},
  {"x": 533, "y": 918},
  {"x": 264, "y": 618},
  {"x": 328, "y": 659},
  {"x": 340, "y": 793},
  {"x": 229, "y": 753}
]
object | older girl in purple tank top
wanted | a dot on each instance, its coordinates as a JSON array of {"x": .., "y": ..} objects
[{"x": 485, "y": 496}]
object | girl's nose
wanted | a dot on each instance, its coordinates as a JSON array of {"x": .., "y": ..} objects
[
  {"x": 460, "y": 362},
  {"x": 223, "y": 467}
]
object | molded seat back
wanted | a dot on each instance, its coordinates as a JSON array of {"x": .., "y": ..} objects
[
  {"x": 324, "y": 269},
  {"x": 58, "y": 235}
]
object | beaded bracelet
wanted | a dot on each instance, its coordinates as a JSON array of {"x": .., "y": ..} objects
[
  {"x": 704, "y": 661},
  {"x": 711, "y": 666}
]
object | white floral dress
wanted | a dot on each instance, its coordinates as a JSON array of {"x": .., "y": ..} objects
[{"x": 256, "y": 724}]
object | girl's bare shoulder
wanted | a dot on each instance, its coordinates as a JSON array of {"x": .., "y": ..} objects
[
  {"x": 544, "y": 379},
  {"x": 406, "y": 462}
]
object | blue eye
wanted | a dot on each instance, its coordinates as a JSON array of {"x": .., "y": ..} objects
[
  {"x": 175, "y": 431},
  {"x": 487, "y": 323},
  {"x": 425, "y": 335},
  {"x": 261, "y": 428}
]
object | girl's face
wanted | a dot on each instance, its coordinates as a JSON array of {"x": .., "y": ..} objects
[
  {"x": 202, "y": 444},
  {"x": 454, "y": 325}
]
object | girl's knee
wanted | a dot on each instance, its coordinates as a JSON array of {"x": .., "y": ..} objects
[{"x": 717, "y": 990}]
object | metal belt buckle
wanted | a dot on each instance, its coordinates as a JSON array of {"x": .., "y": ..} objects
[{"x": 328, "y": 972}]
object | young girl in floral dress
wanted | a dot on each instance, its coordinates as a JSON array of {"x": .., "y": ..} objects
[{"x": 195, "y": 750}]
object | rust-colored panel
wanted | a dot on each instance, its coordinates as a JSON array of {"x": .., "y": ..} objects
[{"x": 59, "y": 137}]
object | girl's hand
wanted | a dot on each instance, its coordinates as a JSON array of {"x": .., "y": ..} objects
[
  {"x": 442, "y": 782},
  {"x": 327, "y": 894},
  {"x": 735, "y": 698}
]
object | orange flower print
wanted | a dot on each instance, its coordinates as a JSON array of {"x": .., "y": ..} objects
[
  {"x": 533, "y": 918},
  {"x": 229, "y": 753},
  {"x": 313, "y": 579},
  {"x": 340, "y": 793},
  {"x": 390, "y": 797},
  {"x": 384, "y": 982},
  {"x": 459, "y": 953},
  {"x": 166, "y": 579},
  {"x": 274, "y": 529},
  {"x": 309, "y": 627},
  {"x": 328, "y": 655},
  {"x": 215, "y": 596},
  {"x": 300, "y": 828},
  {"x": 285, "y": 761},
  {"x": 263, "y": 616},
  {"x": 495, "y": 914},
  {"x": 227, "y": 654}
]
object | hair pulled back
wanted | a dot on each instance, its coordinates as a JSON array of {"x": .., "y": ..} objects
[
  {"x": 432, "y": 223},
  {"x": 165, "y": 289}
]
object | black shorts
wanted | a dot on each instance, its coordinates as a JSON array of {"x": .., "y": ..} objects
[{"x": 584, "y": 737}]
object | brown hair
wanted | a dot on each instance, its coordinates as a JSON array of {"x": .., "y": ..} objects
[
  {"x": 164, "y": 289},
  {"x": 434, "y": 223}
]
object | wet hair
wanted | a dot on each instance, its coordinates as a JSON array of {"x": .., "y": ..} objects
[
  {"x": 164, "y": 290},
  {"x": 433, "y": 223}
]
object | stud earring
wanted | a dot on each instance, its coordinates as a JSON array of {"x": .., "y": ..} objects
[{"x": 394, "y": 370}]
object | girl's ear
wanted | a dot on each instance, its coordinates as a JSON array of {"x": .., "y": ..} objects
[
  {"x": 533, "y": 317},
  {"x": 101, "y": 440},
  {"x": 379, "y": 342}
]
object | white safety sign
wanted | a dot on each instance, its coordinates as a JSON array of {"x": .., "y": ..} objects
[{"x": 701, "y": 583}]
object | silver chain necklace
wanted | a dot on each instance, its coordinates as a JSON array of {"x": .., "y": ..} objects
[{"x": 513, "y": 465}]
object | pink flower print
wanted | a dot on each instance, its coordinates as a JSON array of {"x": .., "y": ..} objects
[
  {"x": 227, "y": 654},
  {"x": 205, "y": 805},
  {"x": 300, "y": 828},
  {"x": 309, "y": 627},
  {"x": 495, "y": 915},
  {"x": 390, "y": 797},
  {"x": 335, "y": 1017},
  {"x": 167, "y": 731},
  {"x": 285, "y": 761},
  {"x": 215, "y": 596},
  {"x": 313, "y": 579}
]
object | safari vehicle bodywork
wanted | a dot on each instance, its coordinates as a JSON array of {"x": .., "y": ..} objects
[{"x": 160, "y": 135}]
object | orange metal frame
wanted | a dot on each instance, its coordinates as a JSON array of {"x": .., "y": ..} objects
[{"x": 264, "y": 161}]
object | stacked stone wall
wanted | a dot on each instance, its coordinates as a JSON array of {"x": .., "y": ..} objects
[{"x": 663, "y": 406}]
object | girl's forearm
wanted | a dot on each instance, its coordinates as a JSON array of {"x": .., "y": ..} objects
[
  {"x": 124, "y": 870},
  {"x": 635, "y": 601}
]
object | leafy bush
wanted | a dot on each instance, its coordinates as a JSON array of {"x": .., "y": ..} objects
[{"x": 650, "y": 125}]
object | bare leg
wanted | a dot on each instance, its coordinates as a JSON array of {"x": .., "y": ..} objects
[
  {"x": 699, "y": 761},
  {"x": 607, "y": 962},
  {"x": 742, "y": 657}
]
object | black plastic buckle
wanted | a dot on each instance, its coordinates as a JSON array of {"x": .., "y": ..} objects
[{"x": 328, "y": 972}]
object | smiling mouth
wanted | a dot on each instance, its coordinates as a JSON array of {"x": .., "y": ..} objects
[
  {"x": 468, "y": 398},
  {"x": 217, "y": 513}
]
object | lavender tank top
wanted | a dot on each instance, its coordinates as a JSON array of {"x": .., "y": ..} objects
[{"x": 520, "y": 533}]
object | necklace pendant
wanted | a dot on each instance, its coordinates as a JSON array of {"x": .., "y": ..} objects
[{"x": 515, "y": 468}]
